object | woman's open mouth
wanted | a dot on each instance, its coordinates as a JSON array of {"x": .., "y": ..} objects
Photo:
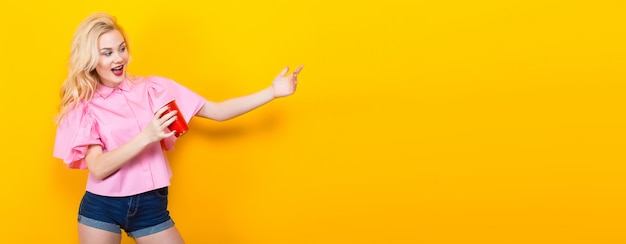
[{"x": 118, "y": 70}]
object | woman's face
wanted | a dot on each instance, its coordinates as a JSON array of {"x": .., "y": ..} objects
[{"x": 113, "y": 58}]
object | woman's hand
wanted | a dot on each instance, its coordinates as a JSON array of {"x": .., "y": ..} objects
[
  {"x": 155, "y": 130},
  {"x": 286, "y": 85}
]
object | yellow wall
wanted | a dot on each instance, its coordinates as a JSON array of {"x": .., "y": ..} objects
[{"x": 425, "y": 122}]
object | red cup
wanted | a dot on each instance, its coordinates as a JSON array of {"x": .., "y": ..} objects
[{"x": 179, "y": 125}]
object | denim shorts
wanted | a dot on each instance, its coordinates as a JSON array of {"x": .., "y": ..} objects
[{"x": 138, "y": 215}]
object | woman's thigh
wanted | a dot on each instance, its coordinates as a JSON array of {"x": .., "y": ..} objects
[
  {"x": 91, "y": 235},
  {"x": 169, "y": 236}
]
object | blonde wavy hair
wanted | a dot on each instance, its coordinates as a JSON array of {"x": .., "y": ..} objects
[{"x": 82, "y": 79}]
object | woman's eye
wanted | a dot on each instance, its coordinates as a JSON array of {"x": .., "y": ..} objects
[
  {"x": 107, "y": 53},
  {"x": 123, "y": 49}
]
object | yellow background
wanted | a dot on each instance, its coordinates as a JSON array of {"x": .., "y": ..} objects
[{"x": 414, "y": 121}]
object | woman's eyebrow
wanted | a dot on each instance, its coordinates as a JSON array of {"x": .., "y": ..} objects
[{"x": 109, "y": 49}]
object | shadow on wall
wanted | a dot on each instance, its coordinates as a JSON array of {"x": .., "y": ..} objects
[{"x": 268, "y": 121}]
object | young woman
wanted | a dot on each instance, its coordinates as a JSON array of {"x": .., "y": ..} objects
[{"x": 116, "y": 126}]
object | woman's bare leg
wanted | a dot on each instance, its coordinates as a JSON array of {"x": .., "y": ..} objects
[
  {"x": 90, "y": 235},
  {"x": 169, "y": 236}
]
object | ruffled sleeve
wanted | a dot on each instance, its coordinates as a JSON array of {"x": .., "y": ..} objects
[
  {"x": 162, "y": 91},
  {"x": 75, "y": 133}
]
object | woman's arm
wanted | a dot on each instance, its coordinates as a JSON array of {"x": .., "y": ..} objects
[
  {"x": 231, "y": 108},
  {"x": 102, "y": 164},
  {"x": 281, "y": 86}
]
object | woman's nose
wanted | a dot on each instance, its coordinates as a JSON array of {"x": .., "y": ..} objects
[{"x": 118, "y": 58}]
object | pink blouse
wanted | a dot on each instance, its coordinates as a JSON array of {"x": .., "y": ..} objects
[{"x": 111, "y": 118}]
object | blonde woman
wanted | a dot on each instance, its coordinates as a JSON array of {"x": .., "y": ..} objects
[{"x": 116, "y": 126}]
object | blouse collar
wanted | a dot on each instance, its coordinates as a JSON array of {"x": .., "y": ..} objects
[{"x": 105, "y": 91}]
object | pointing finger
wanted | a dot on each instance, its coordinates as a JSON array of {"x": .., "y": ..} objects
[{"x": 297, "y": 71}]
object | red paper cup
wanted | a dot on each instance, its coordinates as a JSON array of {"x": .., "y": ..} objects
[{"x": 179, "y": 125}]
